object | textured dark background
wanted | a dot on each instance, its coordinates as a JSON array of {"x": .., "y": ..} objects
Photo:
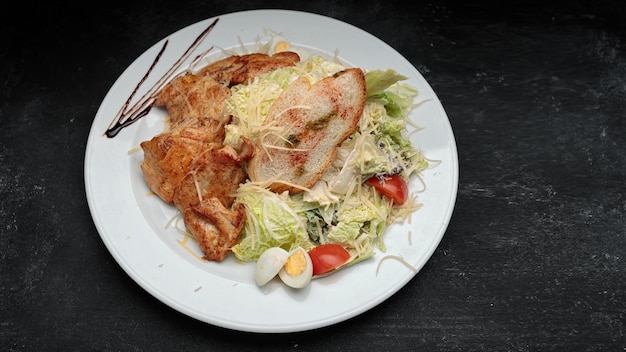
[{"x": 534, "y": 258}]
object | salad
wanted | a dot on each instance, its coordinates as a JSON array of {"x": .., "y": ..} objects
[{"x": 341, "y": 220}]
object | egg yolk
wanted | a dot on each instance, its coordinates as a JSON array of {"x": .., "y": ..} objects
[
  {"x": 282, "y": 46},
  {"x": 295, "y": 264}
]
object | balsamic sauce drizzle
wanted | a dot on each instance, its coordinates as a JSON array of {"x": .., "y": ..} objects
[{"x": 128, "y": 115}]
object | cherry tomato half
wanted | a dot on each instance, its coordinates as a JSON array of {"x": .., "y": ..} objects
[
  {"x": 393, "y": 187},
  {"x": 327, "y": 257}
]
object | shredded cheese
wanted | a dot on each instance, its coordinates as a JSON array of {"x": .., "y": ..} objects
[
  {"x": 134, "y": 150},
  {"x": 174, "y": 218},
  {"x": 184, "y": 243},
  {"x": 398, "y": 258}
]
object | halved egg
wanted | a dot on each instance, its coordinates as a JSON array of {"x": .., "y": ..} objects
[
  {"x": 279, "y": 44},
  {"x": 269, "y": 264},
  {"x": 298, "y": 269},
  {"x": 294, "y": 268}
]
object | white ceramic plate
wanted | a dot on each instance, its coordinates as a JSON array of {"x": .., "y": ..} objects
[{"x": 132, "y": 223}]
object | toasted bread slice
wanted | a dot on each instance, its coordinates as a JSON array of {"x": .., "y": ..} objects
[{"x": 303, "y": 129}]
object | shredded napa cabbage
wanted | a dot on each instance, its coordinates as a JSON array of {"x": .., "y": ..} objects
[{"x": 339, "y": 208}]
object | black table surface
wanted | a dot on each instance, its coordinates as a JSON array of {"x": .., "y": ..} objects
[{"x": 534, "y": 257}]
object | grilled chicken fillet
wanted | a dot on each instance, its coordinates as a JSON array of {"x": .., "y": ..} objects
[
  {"x": 240, "y": 69},
  {"x": 189, "y": 165}
]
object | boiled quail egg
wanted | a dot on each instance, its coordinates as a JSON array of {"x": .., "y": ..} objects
[
  {"x": 279, "y": 44},
  {"x": 269, "y": 264},
  {"x": 298, "y": 269},
  {"x": 294, "y": 268}
]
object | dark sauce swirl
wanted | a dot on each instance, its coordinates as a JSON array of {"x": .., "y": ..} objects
[{"x": 127, "y": 115}]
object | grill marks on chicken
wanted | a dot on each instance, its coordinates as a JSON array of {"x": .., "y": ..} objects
[
  {"x": 189, "y": 165},
  {"x": 240, "y": 69},
  {"x": 216, "y": 173},
  {"x": 220, "y": 226},
  {"x": 192, "y": 96},
  {"x": 171, "y": 156}
]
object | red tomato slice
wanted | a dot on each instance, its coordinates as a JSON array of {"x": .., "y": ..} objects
[
  {"x": 327, "y": 257},
  {"x": 393, "y": 187}
]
